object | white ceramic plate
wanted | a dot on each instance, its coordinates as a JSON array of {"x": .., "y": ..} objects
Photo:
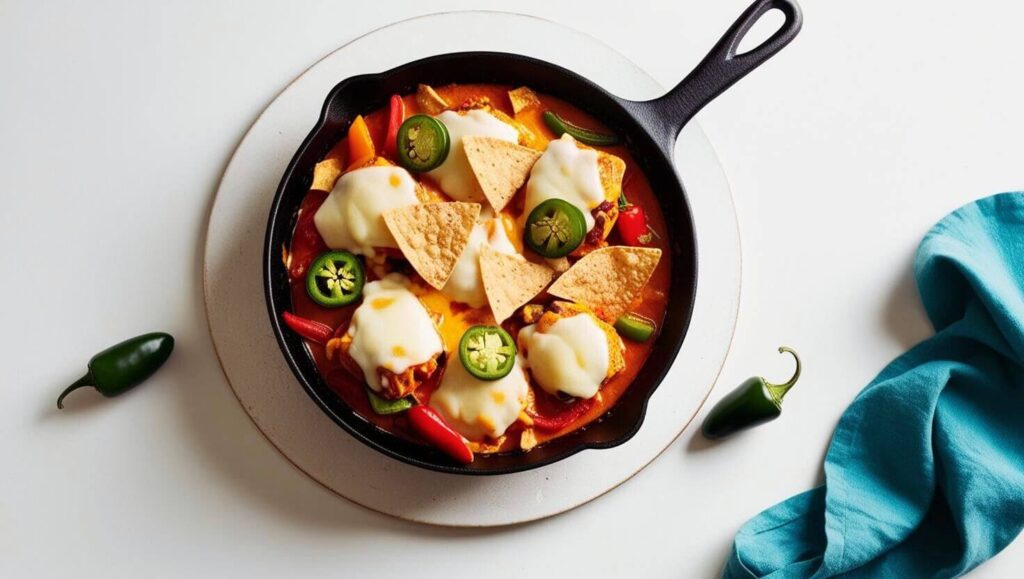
[{"x": 292, "y": 422}]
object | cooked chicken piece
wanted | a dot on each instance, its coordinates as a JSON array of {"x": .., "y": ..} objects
[{"x": 393, "y": 386}]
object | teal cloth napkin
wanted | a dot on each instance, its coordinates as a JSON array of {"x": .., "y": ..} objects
[{"x": 925, "y": 473}]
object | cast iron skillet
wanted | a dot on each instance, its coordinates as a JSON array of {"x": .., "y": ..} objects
[{"x": 650, "y": 129}]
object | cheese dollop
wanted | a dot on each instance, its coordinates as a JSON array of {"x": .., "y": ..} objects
[
  {"x": 466, "y": 285},
  {"x": 455, "y": 176},
  {"x": 566, "y": 172},
  {"x": 351, "y": 216},
  {"x": 391, "y": 329},
  {"x": 478, "y": 408},
  {"x": 570, "y": 356}
]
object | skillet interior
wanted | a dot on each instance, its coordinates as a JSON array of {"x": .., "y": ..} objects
[{"x": 362, "y": 94}]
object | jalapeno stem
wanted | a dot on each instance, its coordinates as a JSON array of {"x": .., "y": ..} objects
[
  {"x": 778, "y": 391},
  {"x": 80, "y": 383}
]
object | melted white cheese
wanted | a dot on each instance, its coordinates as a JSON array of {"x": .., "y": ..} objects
[
  {"x": 571, "y": 356},
  {"x": 351, "y": 216},
  {"x": 569, "y": 173},
  {"x": 466, "y": 285},
  {"x": 455, "y": 176},
  {"x": 479, "y": 407},
  {"x": 391, "y": 329}
]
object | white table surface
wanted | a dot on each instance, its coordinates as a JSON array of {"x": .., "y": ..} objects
[{"x": 116, "y": 120}]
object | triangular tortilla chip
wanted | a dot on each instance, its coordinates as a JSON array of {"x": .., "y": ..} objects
[
  {"x": 429, "y": 101},
  {"x": 500, "y": 167},
  {"x": 326, "y": 173},
  {"x": 609, "y": 279},
  {"x": 432, "y": 236},
  {"x": 510, "y": 281},
  {"x": 522, "y": 98},
  {"x": 611, "y": 169}
]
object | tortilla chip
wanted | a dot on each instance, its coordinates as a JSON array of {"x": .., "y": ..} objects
[
  {"x": 500, "y": 167},
  {"x": 527, "y": 440},
  {"x": 609, "y": 279},
  {"x": 611, "y": 169},
  {"x": 430, "y": 102},
  {"x": 522, "y": 98},
  {"x": 527, "y": 138},
  {"x": 559, "y": 310},
  {"x": 325, "y": 174},
  {"x": 559, "y": 264},
  {"x": 510, "y": 281},
  {"x": 432, "y": 236},
  {"x": 428, "y": 193}
]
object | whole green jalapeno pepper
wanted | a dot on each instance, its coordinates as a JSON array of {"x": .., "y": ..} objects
[
  {"x": 123, "y": 366},
  {"x": 754, "y": 402}
]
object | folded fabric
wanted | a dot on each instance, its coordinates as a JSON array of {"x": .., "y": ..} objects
[{"x": 924, "y": 476}]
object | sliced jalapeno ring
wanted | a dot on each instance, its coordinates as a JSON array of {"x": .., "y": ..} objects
[
  {"x": 635, "y": 327},
  {"x": 385, "y": 406},
  {"x": 487, "y": 352},
  {"x": 335, "y": 279},
  {"x": 555, "y": 228},
  {"x": 560, "y": 126},
  {"x": 423, "y": 143}
]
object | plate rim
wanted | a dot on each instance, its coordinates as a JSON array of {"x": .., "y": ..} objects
[{"x": 407, "y": 517}]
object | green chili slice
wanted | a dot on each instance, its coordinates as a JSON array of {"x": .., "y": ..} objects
[
  {"x": 635, "y": 327},
  {"x": 487, "y": 352},
  {"x": 560, "y": 126},
  {"x": 335, "y": 279},
  {"x": 423, "y": 143},
  {"x": 555, "y": 228},
  {"x": 385, "y": 406}
]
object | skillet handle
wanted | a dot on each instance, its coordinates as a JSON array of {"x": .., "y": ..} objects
[{"x": 722, "y": 67}]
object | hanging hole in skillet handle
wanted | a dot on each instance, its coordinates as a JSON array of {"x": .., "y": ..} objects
[
  {"x": 720, "y": 69},
  {"x": 761, "y": 31}
]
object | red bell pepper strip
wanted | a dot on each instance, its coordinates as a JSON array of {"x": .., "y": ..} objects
[
  {"x": 307, "y": 244},
  {"x": 396, "y": 115},
  {"x": 564, "y": 418},
  {"x": 436, "y": 430},
  {"x": 311, "y": 330},
  {"x": 633, "y": 226}
]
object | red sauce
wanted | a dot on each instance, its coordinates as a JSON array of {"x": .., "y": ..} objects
[{"x": 307, "y": 244}]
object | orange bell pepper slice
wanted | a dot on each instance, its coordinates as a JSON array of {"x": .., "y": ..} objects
[{"x": 360, "y": 144}]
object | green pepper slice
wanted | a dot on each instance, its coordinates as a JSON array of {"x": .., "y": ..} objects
[
  {"x": 487, "y": 352},
  {"x": 560, "y": 126},
  {"x": 423, "y": 143},
  {"x": 335, "y": 279},
  {"x": 635, "y": 327},
  {"x": 385, "y": 406},
  {"x": 555, "y": 228}
]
